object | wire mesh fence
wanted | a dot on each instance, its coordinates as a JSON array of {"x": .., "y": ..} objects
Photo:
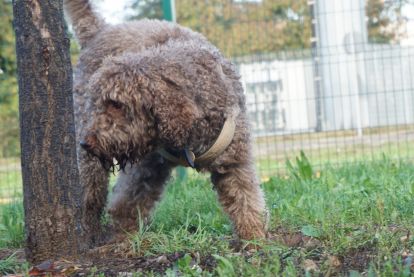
[
  {"x": 331, "y": 78},
  {"x": 10, "y": 178}
]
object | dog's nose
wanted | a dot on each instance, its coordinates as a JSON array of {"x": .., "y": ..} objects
[{"x": 85, "y": 145}]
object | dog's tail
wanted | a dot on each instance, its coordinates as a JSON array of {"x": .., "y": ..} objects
[{"x": 86, "y": 23}]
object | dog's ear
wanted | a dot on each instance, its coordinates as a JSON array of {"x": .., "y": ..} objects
[
  {"x": 175, "y": 113},
  {"x": 119, "y": 79},
  {"x": 173, "y": 77}
]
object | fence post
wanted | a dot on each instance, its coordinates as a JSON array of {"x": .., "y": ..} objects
[
  {"x": 168, "y": 9},
  {"x": 317, "y": 79}
]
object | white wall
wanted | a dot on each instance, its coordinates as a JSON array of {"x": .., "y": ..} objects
[
  {"x": 279, "y": 94},
  {"x": 362, "y": 85},
  {"x": 342, "y": 40}
]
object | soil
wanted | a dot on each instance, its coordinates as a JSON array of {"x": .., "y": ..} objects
[{"x": 117, "y": 260}]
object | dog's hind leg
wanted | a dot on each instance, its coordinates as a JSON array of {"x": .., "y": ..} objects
[
  {"x": 242, "y": 199},
  {"x": 137, "y": 190}
]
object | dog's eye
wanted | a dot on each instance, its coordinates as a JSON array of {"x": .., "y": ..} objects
[{"x": 114, "y": 104}]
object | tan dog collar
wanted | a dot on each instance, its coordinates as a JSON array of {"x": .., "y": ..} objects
[{"x": 188, "y": 158}]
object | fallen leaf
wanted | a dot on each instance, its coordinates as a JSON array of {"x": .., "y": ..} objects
[
  {"x": 42, "y": 269},
  {"x": 292, "y": 240},
  {"x": 70, "y": 270},
  {"x": 404, "y": 238},
  {"x": 334, "y": 261},
  {"x": 310, "y": 265},
  {"x": 311, "y": 243},
  {"x": 162, "y": 260}
]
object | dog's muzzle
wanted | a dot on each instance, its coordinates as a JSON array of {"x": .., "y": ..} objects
[{"x": 86, "y": 146}]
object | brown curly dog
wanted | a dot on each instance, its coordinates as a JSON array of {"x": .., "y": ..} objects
[{"x": 148, "y": 85}]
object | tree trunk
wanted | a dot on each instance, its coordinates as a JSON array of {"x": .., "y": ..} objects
[{"x": 50, "y": 174}]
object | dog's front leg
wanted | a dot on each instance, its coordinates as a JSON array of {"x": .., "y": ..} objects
[
  {"x": 242, "y": 199},
  {"x": 137, "y": 190},
  {"x": 94, "y": 180}
]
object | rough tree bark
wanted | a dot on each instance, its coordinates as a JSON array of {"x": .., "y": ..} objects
[{"x": 50, "y": 175}]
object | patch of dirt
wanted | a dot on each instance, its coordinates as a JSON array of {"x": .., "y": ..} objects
[
  {"x": 109, "y": 261},
  {"x": 305, "y": 252},
  {"x": 18, "y": 254},
  {"x": 114, "y": 266},
  {"x": 108, "y": 266},
  {"x": 208, "y": 263},
  {"x": 357, "y": 259},
  {"x": 294, "y": 239}
]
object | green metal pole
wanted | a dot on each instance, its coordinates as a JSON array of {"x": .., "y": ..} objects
[{"x": 168, "y": 9}]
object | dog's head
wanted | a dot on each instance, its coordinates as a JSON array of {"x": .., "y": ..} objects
[
  {"x": 138, "y": 103},
  {"x": 120, "y": 126}
]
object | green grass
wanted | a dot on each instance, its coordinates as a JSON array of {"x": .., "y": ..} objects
[
  {"x": 273, "y": 161},
  {"x": 10, "y": 185},
  {"x": 11, "y": 265},
  {"x": 11, "y": 225},
  {"x": 360, "y": 214},
  {"x": 364, "y": 209}
]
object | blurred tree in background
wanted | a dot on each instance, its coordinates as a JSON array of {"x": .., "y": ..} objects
[
  {"x": 240, "y": 29},
  {"x": 385, "y": 20},
  {"x": 9, "y": 122},
  {"x": 147, "y": 9}
]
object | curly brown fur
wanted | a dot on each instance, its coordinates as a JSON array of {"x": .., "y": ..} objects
[
  {"x": 139, "y": 185},
  {"x": 148, "y": 84}
]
